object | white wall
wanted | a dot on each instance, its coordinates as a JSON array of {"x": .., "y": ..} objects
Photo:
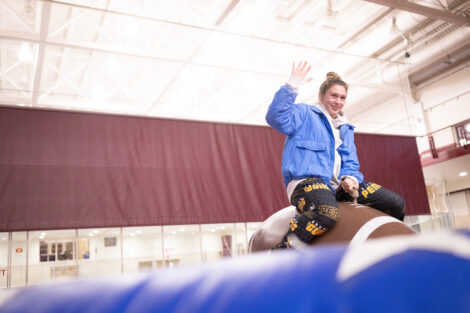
[
  {"x": 457, "y": 185},
  {"x": 460, "y": 204},
  {"x": 98, "y": 251},
  {"x": 446, "y": 102}
]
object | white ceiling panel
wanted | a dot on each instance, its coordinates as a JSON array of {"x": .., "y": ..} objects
[{"x": 219, "y": 60}]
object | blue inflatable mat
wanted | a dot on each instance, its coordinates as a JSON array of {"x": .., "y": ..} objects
[{"x": 400, "y": 274}]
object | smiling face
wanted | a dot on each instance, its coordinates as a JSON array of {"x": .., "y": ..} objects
[{"x": 334, "y": 99}]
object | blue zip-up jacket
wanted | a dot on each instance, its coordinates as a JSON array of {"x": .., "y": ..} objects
[{"x": 309, "y": 148}]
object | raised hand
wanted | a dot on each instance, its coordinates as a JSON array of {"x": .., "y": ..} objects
[
  {"x": 301, "y": 70},
  {"x": 298, "y": 75}
]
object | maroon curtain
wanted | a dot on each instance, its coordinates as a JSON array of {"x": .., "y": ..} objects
[
  {"x": 80, "y": 170},
  {"x": 394, "y": 162}
]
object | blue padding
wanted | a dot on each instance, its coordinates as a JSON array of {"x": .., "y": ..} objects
[{"x": 423, "y": 275}]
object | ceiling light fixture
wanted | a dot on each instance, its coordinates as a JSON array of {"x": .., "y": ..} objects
[
  {"x": 462, "y": 174},
  {"x": 28, "y": 10},
  {"x": 330, "y": 12},
  {"x": 394, "y": 28}
]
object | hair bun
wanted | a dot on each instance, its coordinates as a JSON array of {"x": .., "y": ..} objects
[
  {"x": 332, "y": 76},
  {"x": 332, "y": 79}
]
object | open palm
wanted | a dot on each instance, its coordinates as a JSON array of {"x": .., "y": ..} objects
[{"x": 301, "y": 70}]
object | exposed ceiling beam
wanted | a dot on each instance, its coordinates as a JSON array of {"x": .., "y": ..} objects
[
  {"x": 405, "y": 5},
  {"x": 452, "y": 42},
  {"x": 227, "y": 11},
  {"x": 17, "y": 16},
  {"x": 214, "y": 29},
  {"x": 84, "y": 46},
  {"x": 365, "y": 28},
  {"x": 43, "y": 32},
  {"x": 95, "y": 39},
  {"x": 423, "y": 79},
  {"x": 396, "y": 45}
]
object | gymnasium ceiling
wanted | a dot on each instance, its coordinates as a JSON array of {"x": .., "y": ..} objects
[{"x": 223, "y": 60}]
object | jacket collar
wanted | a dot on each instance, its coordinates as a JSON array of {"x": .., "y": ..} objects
[{"x": 315, "y": 108}]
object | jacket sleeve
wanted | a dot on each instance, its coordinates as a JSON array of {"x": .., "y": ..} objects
[
  {"x": 349, "y": 160},
  {"x": 284, "y": 115}
]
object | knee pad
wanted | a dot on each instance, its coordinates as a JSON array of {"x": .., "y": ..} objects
[
  {"x": 311, "y": 190},
  {"x": 314, "y": 223}
]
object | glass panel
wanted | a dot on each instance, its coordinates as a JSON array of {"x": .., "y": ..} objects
[
  {"x": 3, "y": 259},
  {"x": 99, "y": 252},
  {"x": 436, "y": 222},
  {"x": 18, "y": 259},
  {"x": 143, "y": 248},
  {"x": 51, "y": 256},
  {"x": 182, "y": 245},
  {"x": 240, "y": 239},
  {"x": 460, "y": 204},
  {"x": 217, "y": 241}
]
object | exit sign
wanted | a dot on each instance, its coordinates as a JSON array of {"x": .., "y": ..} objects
[{"x": 19, "y": 250}]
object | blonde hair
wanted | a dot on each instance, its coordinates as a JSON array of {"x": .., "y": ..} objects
[{"x": 332, "y": 79}]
